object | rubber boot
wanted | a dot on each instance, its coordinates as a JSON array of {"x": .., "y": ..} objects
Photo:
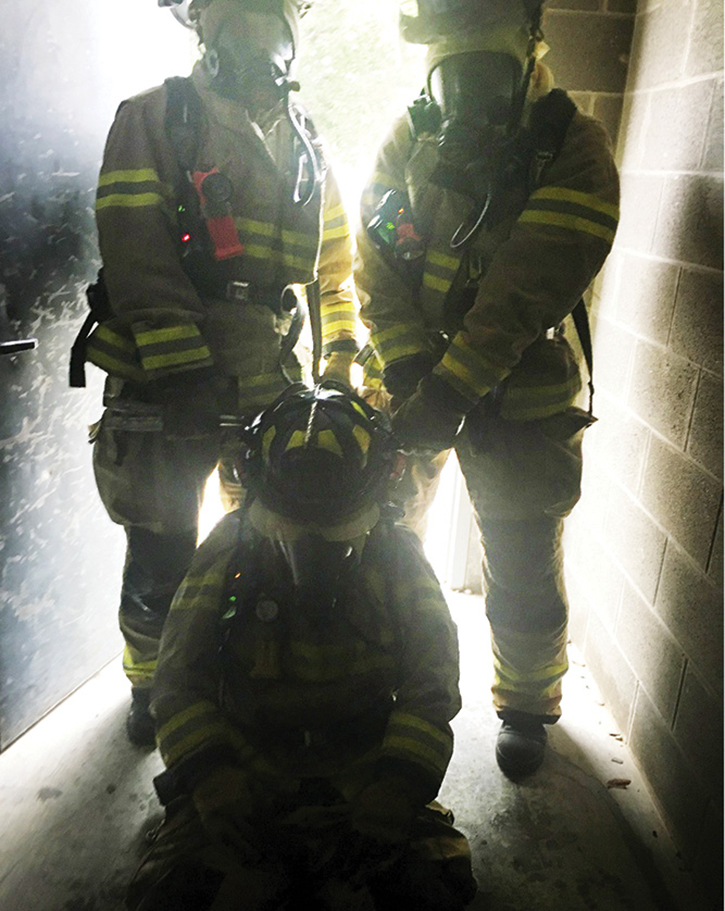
[
  {"x": 139, "y": 723},
  {"x": 520, "y": 745}
]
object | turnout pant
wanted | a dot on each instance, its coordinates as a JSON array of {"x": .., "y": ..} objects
[
  {"x": 153, "y": 486},
  {"x": 523, "y": 479},
  {"x": 303, "y": 854}
]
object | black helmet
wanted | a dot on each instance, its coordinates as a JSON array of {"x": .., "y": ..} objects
[
  {"x": 320, "y": 457},
  {"x": 427, "y": 21}
]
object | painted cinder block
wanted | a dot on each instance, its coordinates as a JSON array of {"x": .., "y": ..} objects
[
  {"x": 613, "y": 352},
  {"x": 705, "y": 47},
  {"x": 646, "y": 296},
  {"x": 698, "y": 730},
  {"x": 690, "y": 604},
  {"x": 662, "y": 391},
  {"x": 615, "y": 678},
  {"x": 705, "y": 440},
  {"x": 674, "y": 138},
  {"x": 619, "y": 442},
  {"x": 712, "y": 159},
  {"x": 637, "y": 542},
  {"x": 639, "y": 209},
  {"x": 651, "y": 650},
  {"x": 697, "y": 324},
  {"x": 659, "y": 47},
  {"x": 621, "y": 6},
  {"x": 683, "y": 498},
  {"x": 602, "y": 50},
  {"x": 608, "y": 109},
  {"x": 601, "y": 575},
  {"x": 674, "y": 781},
  {"x": 690, "y": 221},
  {"x": 715, "y": 566}
]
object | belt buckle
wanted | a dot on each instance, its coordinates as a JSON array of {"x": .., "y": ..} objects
[{"x": 238, "y": 291}]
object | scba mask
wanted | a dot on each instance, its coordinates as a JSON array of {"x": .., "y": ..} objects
[{"x": 479, "y": 96}]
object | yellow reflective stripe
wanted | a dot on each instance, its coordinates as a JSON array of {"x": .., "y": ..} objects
[
  {"x": 255, "y": 251},
  {"x": 142, "y": 175},
  {"x": 575, "y": 196},
  {"x": 212, "y": 732},
  {"x": 362, "y": 437},
  {"x": 412, "y": 747},
  {"x": 196, "y": 710},
  {"x": 327, "y": 440},
  {"x": 443, "y": 259},
  {"x": 104, "y": 334},
  {"x": 435, "y": 283},
  {"x": 143, "y": 669},
  {"x": 336, "y": 233},
  {"x": 113, "y": 366},
  {"x": 337, "y": 327},
  {"x": 334, "y": 213},
  {"x": 414, "y": 721},
  {"x": 169, "y": 334},
  {"x": 129, "y": 201},
  {"x": 572, "y": 222},
  {"x": 477, "y": 374},
  {"x": 265, "y": 229},
  {"x": 178, "y": 357}
]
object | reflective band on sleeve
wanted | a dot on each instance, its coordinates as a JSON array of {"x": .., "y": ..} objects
[
  {"x": 467, "y": 370},
  {"x": 562, "y": 208},
  {"x": 398, "y": 341}
]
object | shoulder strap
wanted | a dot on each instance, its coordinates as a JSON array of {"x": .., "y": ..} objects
[
  {"x": 183, "y": 120},
  {"x": 550, "y": 119}
]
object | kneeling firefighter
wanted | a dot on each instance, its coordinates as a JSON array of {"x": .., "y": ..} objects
[
  {"x": 492, "y": 206},
  {"x": 307, "y": 677},
  {"x": 215, "y": 211}
]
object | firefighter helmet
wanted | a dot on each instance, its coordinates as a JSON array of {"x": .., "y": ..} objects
[
  {"x": 187, "y": 11},
  {"x": 320, "y": 458},
  {"x": 427, "y": 21}
]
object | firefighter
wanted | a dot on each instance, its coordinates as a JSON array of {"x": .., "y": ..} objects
[
  {"x": 307, "y": 677},
  {"x": 215, "y": 210},
  {"x": 492, "y": 206}
]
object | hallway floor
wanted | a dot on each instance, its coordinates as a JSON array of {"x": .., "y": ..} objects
[{"x": 76, "y": 802}]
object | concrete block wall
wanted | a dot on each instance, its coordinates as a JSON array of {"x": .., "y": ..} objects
[{"x": 645, "y": 545}]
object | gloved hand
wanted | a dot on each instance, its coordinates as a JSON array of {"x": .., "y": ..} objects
[
  {"x": 430, "y": 419},
  {"x": 401, "y": 377},
  {"x": 224, "y": 804},
  {"x": 384, "y": 811},
  {"x": 189, "y": 404},
  {"x": 338, "y": 367}
]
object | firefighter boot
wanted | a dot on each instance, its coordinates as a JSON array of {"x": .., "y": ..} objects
[
  {"x": 139, "y": 723},
  {"x": 520, "y": 744}
]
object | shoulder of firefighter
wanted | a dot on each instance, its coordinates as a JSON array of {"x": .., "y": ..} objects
[
  {"x": 528, "y": 271},
  {"x": 396, "y": 638},
  {"x": 157, "y": 222}
]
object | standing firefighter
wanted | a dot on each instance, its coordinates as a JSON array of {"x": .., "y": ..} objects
[
  {"x": 213, "y": 202},
  {"x": 307, "y": 676},
  {"x": 492, "y": 207}
]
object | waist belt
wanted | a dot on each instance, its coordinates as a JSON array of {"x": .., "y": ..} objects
[
  {"x": 247, "y": 293},
  {"x": 363, "y": 731}
]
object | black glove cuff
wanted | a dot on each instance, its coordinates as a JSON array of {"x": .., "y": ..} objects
[
  {"x": 424, "y": 786},
  {"x": 184, "y": 777},
  {"x": 443, "y": 396},
  {"x": 401, "y": 377},
  {"x": 344, "y": 344}
]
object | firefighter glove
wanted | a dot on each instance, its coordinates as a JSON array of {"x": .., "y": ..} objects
[
  {"x": 338, "y": 367},
  {"x": 401, "y": 377},
  {"x": 429, "y": 420},
  {"x": 224, "y": 804},
  {"x": 384, "y": 811}
]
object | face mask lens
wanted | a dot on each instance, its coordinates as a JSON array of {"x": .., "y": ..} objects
[{"x": 476, "y": 89}]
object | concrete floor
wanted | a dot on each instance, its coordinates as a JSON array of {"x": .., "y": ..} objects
[{"x": 76, "y": 802}]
